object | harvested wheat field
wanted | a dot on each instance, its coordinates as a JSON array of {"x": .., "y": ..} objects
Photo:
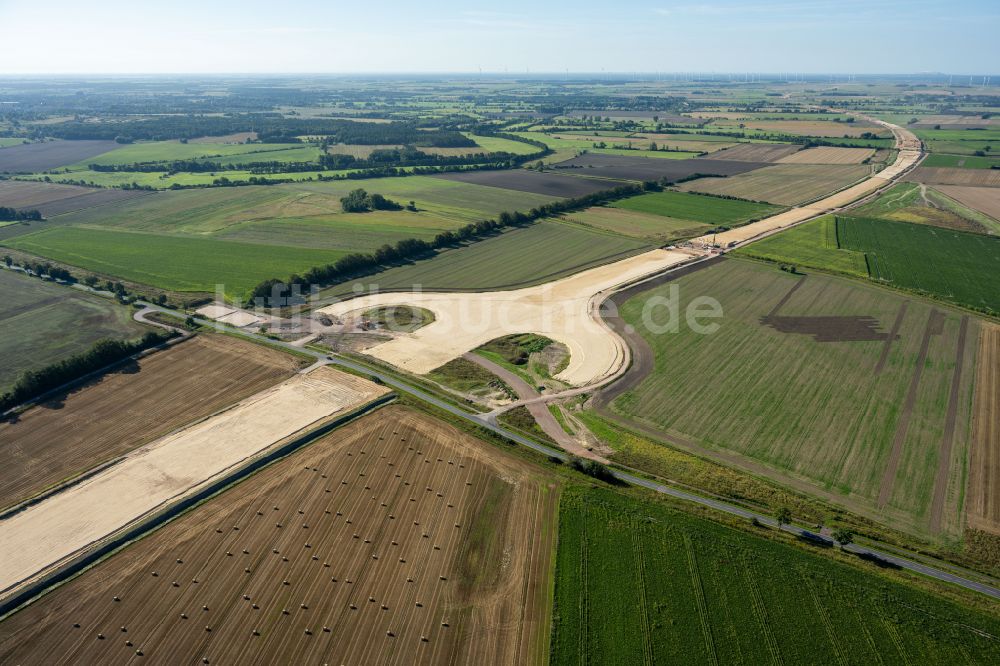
[
  {"x": 984, "y": 199},
  {"x": 782, "y": 184},
  {"x": 396, "y": 539},
  {"x": 755, "y": 152},
  {"x": 983, "y": 507},
  {"x": 829, "y": 155},
  {"x": 955, "y": 176},
  {"x": 67, "y": 523},
  {"x": 125, "y": 409}
]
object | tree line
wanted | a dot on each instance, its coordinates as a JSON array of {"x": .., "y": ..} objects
[
  {"x": 34, "y": 383},
  {"x": 275, "y": 292},
  {"x": 8, "y": 214}
]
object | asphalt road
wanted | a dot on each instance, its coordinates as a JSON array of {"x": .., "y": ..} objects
[{"x": 940, "y": 573}]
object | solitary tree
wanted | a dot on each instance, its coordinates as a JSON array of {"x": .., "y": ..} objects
[
  {"x": 784, "y": 516},
  {"x": 7, "y": 260},
  {"x": 843, "y": 536}
]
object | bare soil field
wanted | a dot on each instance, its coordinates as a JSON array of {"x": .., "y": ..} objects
[
  {"x": 984, "y": 199},
  {"x": 983, "y": 504},
  {"x": 394, "y": 540},
  {"x": 954, "y": 121},
  {"x": 125, "y": 409},
  {"x": 521, "y": 180},
  {"x": 756, "y": 152},
  {"x": 955, "y": 176},
  {"x": 645, "y": 168},
  {"x": 68, "y": 523},
  {"x": 54, "y": 199},
  {"x": 33, "y": 157},
  {"x": 783, "y": 184},
  {"x": 829, "y": 155}
]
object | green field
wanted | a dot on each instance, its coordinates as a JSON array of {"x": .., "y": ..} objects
[
  {"x": 782, "y": 184},
  {"x": 166, "y": 151},
  {"x": 959, "y": 267},
  {"x": 638, "y": 582},
  {"x": 173, "y": 263},
  {"x": 961, "y": 161},
  {"x": 10, "y": 141},
  {"x": 308, "y": 215},
  {"x": 495, "y": 144},
  {"x": 709, "y": 210},
  {"x": 812, "y": 245},
  {"x": 761, "y": 395},
  {"x": 538, "y": 253},
  {"x": 44, "y": 323}
]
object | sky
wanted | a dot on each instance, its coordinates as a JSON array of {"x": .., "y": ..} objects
[{"x": 333, "y": 36}]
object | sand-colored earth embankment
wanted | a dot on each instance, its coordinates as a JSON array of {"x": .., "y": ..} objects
[
  {"x": 563, "y": 310},
  {"x": 169, "y": 468}
]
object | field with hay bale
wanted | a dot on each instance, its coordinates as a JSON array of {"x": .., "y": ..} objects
[{"x": 395, "y": 539}]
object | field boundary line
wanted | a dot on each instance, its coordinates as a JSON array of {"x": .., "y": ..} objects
[
  {"x": 640, "y": 558},
  {"x": 823, "y": 616},
  {"x": 948, "y": 437},
  {"x": 903, "y": 425},
  {"x": 893, "y": 334},
  {"x": 699, "y": 598},
  {"x": 890, "y": 630},
  {"x": 760, "y": 610}
]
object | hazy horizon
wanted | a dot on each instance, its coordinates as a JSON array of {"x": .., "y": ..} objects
[{"x": 391, "y": 37}]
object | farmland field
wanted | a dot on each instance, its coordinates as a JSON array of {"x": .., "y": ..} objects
[
  {"x": 791, "y": 350},
  {"x": 656, "y": 228},
  {"x": 829, "y": 155},
  {"x": 52, "y": 199},
  {"x": 813, "y": 245},
  {"x": 541, "y": 252},
  {"x": 453, "y": 569},
  {"x": 955, "y": 176},
  {"x": 960, "y": 161},
  {"x": 955, "y": 266},
  {"x": 50, "y": 155},
  {"x": 635, "y": 146},
  {"x": 756, "y": 152},
  {"x": 45, "y": 323},
  {"x": 984, "y": 465},
  {"x": 951, "y": 265},
  {"x": 783, "y": 184},
  {"x": 637, "y": 582},
  {"x": 68, "y": 435},
  {"x": 174, "y": 263},
  {"x": 984, "y": 199},
  {"x": 641, "y": 168},
  {"x": 166, "y": 151},
  {"x": 698, "y": 208},
  {"x": 531, "y": 181}
]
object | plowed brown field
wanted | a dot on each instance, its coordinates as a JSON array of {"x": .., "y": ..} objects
[
  {"x": 394, "y": 540},
  {"x": 125, "y": 409},
  {"x": 983, "y": 508}
]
